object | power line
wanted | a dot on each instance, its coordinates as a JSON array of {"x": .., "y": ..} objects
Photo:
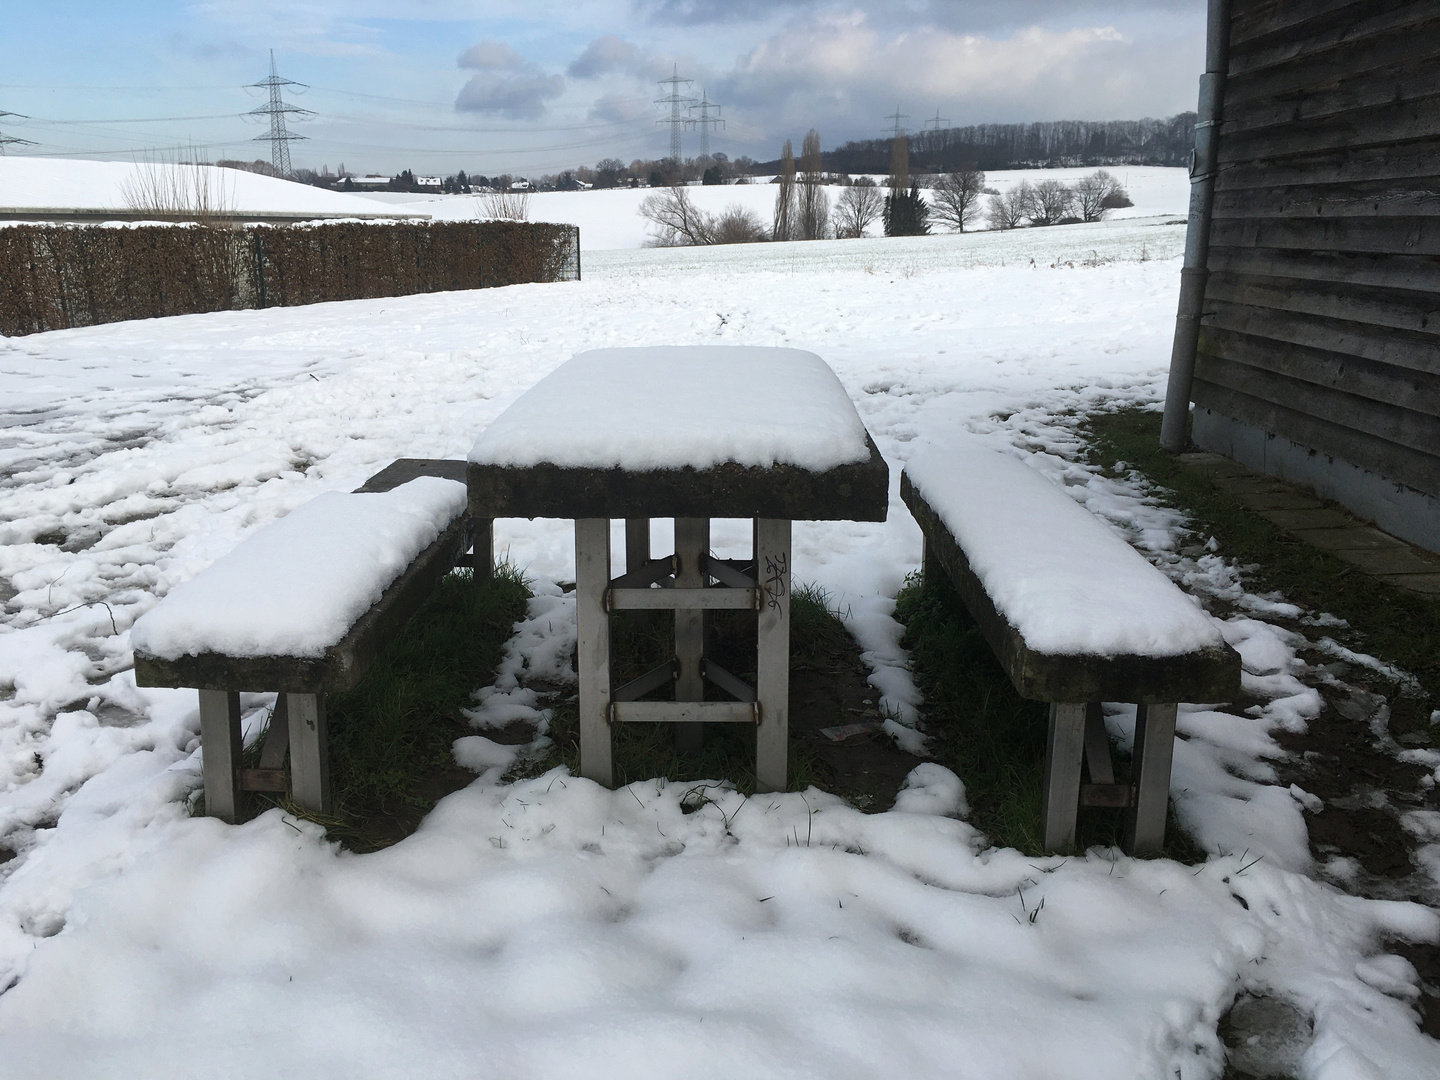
[
  {"x": 275, "y": 109},
  {"x": 706, "y": 121},
  {"x": 12, "y": 140},
  {"x": 675, "y": 100}
]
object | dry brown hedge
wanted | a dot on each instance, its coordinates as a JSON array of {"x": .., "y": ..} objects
[{"x": 58, "y": 276}]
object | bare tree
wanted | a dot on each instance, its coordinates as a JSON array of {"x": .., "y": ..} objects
[
  {"x": 505, "y": 204},
  {"x": 1008, "y": 209},
  {"x": 738, "y": 225},
  {"x": 179, "y": 187},
  {"x": 957, "y": 197},
  {"x": 1051, "y": 202},
  {"x": 814, "y": 204},
  {"x": 858, "y": 207},
  {"x": 1095, "y": 195},
  {"x": 678, "y": 221},
  {"x": 783, "y": 227}
]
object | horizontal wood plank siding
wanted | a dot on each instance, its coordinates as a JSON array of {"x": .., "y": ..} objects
[{"x": 1322, "y": 308}]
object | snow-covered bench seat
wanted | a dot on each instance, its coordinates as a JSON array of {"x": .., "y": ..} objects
[
  {"x": 1076, "y": 617},
  {"x": 302, "y": 608}
]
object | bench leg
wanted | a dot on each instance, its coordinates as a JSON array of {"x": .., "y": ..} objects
[
  {"x": 1154, "y": 750},
  {"x": 1097, "y": 746},
  {"x": 484, "y": 550},
  {"x": 692, "y": 539},
  {"x": 637, "y": 543},
  {"x": 772, "y": 661},
  {"x": 220, "y": 757},
  {"x": 277, "y": 738},
  {"x": 309, "y": 752},
  {"x": 592, "y": 646},
  {"x": 1064, "y": 752}
]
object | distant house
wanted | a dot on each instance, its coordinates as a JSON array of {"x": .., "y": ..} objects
[
  {"x": 371, "y": 182},
  {"x": 520, "y": 185},
  {"x": 430, "y": 183},
  {"x": 1311, "y": 304}
]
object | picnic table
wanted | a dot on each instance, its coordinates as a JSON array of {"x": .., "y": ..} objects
[{"x": 692, "y": 433}]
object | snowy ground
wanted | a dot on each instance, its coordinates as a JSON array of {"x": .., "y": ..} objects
[
  {"x": 36, "y": 183},
  {"x": 610, "y": 219},
  {"x": 550, "y": 928}
]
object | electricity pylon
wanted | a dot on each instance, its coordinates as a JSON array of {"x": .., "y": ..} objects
[
  {"x": 279, "y": 136},
  {"x": 706, "y": 121},
  {"x": 677, "y": 120},
  {"x": 896, "y": 129},
  {"x": 12, "y": 140}
]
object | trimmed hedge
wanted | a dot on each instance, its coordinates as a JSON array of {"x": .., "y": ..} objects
[{"x": 53, "y": 277}]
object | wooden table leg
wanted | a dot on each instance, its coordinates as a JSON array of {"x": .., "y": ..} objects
[
  {"x": 220, "y": 752},
  {"x": 692, "y": 540},
  {"x": 484, "y": 550},
  {"x": 309, "y": 752},
  {"x": 277, "y": 737},
  {"x": 1154, "y": 751},
  {"x": 772, "y": 662},
  {"x": 1097, "y": 746},
  {"x": 1064, "y": 752},
  {"x": 637, "y": 543},
  {"x": 592, "y": 646}
]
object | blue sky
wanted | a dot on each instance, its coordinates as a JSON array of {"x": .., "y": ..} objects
[{"x": 527, "y": 88}]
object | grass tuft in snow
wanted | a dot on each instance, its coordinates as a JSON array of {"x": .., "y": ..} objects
[
  {"x": 992, "y": 738},
  {"x": 1402, "y": 626},
  {"x": 391, "y": 737}
]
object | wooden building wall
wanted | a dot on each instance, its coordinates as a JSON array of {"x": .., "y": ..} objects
[{"x": 1322, "y": 307}]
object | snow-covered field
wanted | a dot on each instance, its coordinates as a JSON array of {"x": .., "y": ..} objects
[
  {"x": 36, "y": 183},
  {"x": 611, "y": 219},
  {"x": 550, "y": 928}
]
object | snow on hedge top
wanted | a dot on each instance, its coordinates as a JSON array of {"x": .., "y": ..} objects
[
  {"x": 296, "y": 587},
  {"x": 31, "y": 183},
  {"x": 665, "y": 407},
  {"x": 1066, "y": 581}
]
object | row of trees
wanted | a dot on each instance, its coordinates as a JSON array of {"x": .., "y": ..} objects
[{"x": 803, "y": 210}]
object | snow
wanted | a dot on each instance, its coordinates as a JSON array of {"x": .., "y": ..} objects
[
  {"x": 1066, "y": 582},
  {"x": 610, "y": 219},
  {"x": 36, "y": 183},
  {"x": 548, "y": 927},
  {"x": 666, "y": 407},
  {"x": 296, "y": 587}
]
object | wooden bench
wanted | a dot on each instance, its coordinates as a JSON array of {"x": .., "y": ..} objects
[
  {"x": 174, "y": 642},
  {"x": 1076, "y": 617}
]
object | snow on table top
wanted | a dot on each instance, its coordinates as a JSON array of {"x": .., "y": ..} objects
[
  {"x": 296, "y": 587},
  {"x": 1067, "y": 582},
  {"x": 665, "y": 407}
]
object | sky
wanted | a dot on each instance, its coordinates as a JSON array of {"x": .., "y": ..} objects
[{"x": 537, "y": 87}]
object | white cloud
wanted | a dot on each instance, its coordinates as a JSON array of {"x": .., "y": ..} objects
[
  {"x": 505, "y": 83},
  {"x": 842, "y": 73}
]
